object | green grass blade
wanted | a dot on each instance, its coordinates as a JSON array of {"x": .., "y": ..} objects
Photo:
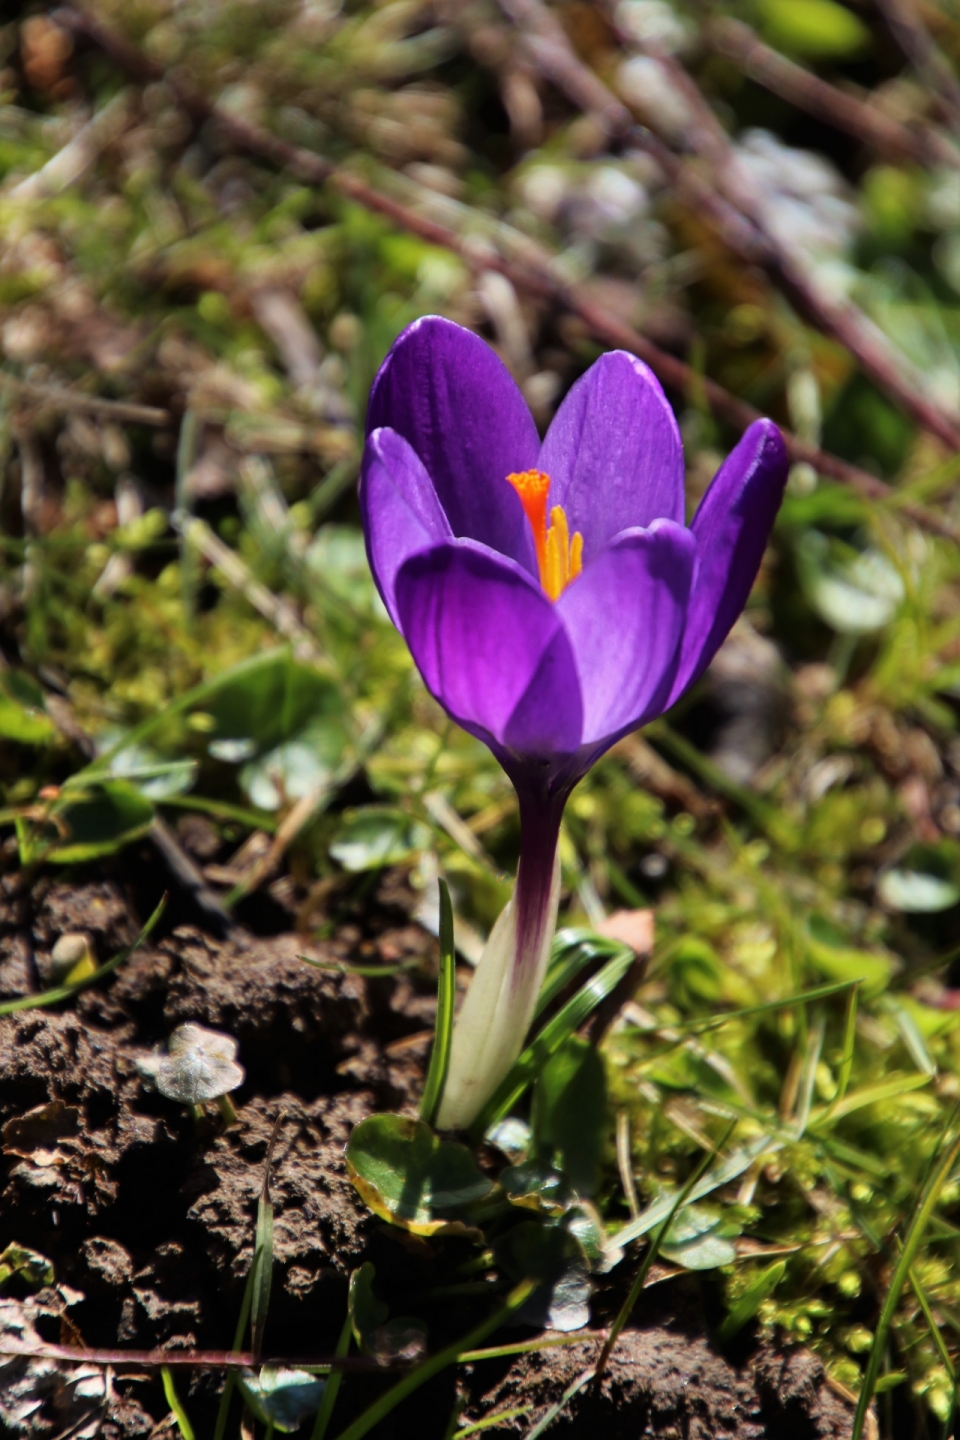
[
  {"x": 759, "y": 1289},
  {"x": 332, "y": 1388},
  {"x": 572, "y": 950},
  {"x": 805, "y": 997},
  {"x": 868, "y": 1095},
  {"x": 66, "y": 992},
  {"x": 911, "y": 1244},
  {"x": 936, "y": 1334},
  {"x": 849, "y": 1044},
  {"x": 221, "y": 810},
  {"x": 636, "y": 1288},
  {"x": 730, "y": 1169},
  {"x": 197, "y": 696},
  {"x": 808, "y": 1077},
  {"x": 435, "y": 1363},
  {"x": 558, "y": 1405},
  {"x": 176, "y": 1406},
  {"x": 263, "y": 1273},
  {"x": 519, "y": 1347},
  {"x": 489, "y": 1421},
  {"x": 246, "y": 1303},
  {"x": 446, "y": 994}
]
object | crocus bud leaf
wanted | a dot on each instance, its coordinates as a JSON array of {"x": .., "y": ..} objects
[
  {"x": 71, "y": 959},
  {"x": 409, "y": 1177},
  {"x": 570, "y": 1111}
]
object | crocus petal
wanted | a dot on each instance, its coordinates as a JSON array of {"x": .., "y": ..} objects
[
  {"x": 625, "y": 616},
  {"x": 613, "y": 452},
  {"x": 445, "y": 391},
  {"x": 490, "y": 646},
  {"x": 731, "y": 528},
  {"x": 400, "y": 509}
]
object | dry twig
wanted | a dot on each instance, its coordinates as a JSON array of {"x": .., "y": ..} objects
[
  {"x": 58, "y": 397},
  {"x": 917, "y": 44},
  {"x": 739, "y": 213},
  {"x": 229, "y": 564},
  {"x": 865, "y": 122},
  {"x": 541, "y": 279}
]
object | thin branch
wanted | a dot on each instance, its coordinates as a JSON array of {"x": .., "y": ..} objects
[
  {"x": 791, "y": 82},
  {"x": 308, "y": 808},
  {"x": 183, "y": 1359},
  {"x": 58, "y": 397},
  {"x": 931, "y": 65},
  {"x": 545, "y": 41},
  {"x": 190, "y": 880},
  {"x": 540, "y": 278},
  {"x": 229, "y": 564},
  {"x": 876, "y": 354},
  {"x": 66, "y": 167}
]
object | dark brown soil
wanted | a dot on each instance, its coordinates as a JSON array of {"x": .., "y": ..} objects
[{"x": 148, "y": 1215}]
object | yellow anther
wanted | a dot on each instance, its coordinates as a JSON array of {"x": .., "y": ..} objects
[{"x": 559, "y": 558}]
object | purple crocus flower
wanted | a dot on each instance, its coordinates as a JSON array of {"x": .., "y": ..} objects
[{"x": 552, "y": 596}]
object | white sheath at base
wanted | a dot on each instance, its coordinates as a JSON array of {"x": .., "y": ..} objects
[{"x": 496, "y": 1014}]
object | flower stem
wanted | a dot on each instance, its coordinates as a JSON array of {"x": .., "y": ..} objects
[{"x": 497, "y": 1012}]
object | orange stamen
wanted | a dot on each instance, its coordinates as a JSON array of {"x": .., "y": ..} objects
[
  {"x": 532, "y": 487},
  {"x": 559, "y": 557}
]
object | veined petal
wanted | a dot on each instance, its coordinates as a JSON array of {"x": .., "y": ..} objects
[
  {"x": 625, "y": 616},
  {"x": 613, "y": 453},
  {"x": 731, "y": 528},
  {"x": 400, "y": 508},
  {"x": 491, "y": 647},
  {"x": 446, "y": 392}
]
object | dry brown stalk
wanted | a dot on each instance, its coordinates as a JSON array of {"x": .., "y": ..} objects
[
  {"x": 817, "y": 97},
  {"x": 737, "y": 211},
  {"x": 837, "y": 316},
  {"x": 182, "y": 1359},
  {"x": 931, "y": 65},
  {"x": 58, "y": 397},
  {"x": 541, "y": 279}
]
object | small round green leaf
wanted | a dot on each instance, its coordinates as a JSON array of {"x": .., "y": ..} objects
[
  {"x": 377, "y": 835},
  {"x": 533, "y": 1186},
  {"x": 200, "y": 1066},
  {"x": 819, "y": 29},
  {"x": 408, "y": 1176},
  {"x": 281, "y": 1397},
  {"x": 99, "y": 821},
  {"x": 916, "y": 893},
  {"x": 700, "y": 1239}
]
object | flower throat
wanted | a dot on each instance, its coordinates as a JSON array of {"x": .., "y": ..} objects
[{"x": 559, "y": 557}]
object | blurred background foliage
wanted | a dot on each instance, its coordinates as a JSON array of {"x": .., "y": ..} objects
[{"x": 189, "y": 325}]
